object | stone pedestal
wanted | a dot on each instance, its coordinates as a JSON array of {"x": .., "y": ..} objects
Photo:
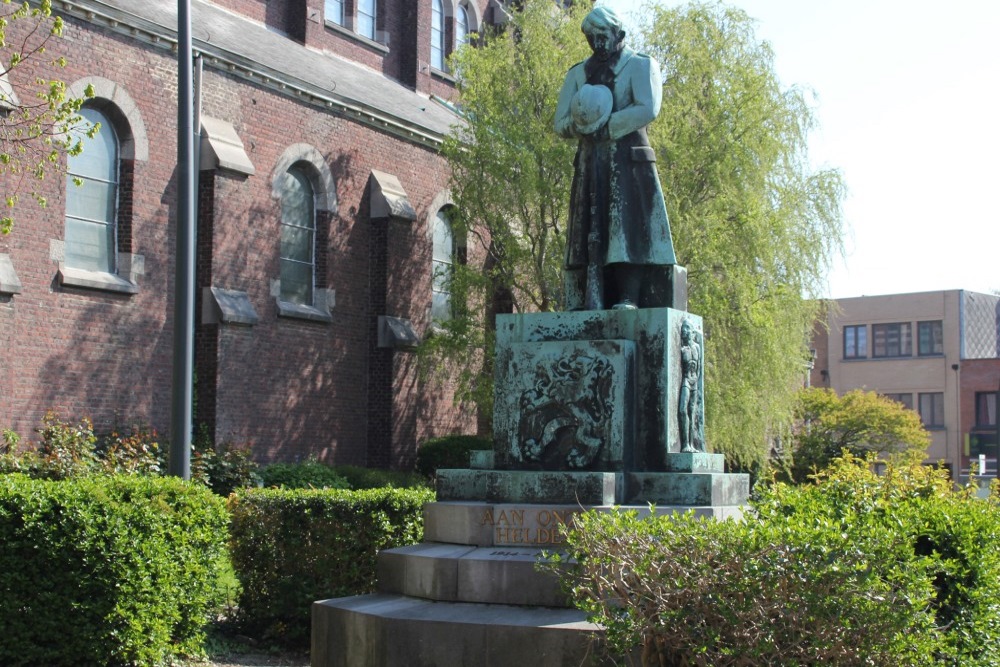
[{"x": 588, "y": 417}]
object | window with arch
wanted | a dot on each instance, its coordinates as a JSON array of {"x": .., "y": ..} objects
[
  {"x": 366, "y": 18},
  {"x": 298, "y": 238},
  {"x": 437, "y": 35},
  {"x": 333, "y": 11},
  {"x": 461, "y": 26},
  {"x": 443, "y": 261},
  {"x": 92, "y": 198}
]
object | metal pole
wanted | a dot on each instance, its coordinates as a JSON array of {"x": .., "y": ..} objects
[{"x": 180, "y": 434}]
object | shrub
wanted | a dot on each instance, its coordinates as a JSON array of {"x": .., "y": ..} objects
[
  {"x": 224, "y": 468},
  {"x": 135, "y": 453},
  {"x": 292, "y": 547},
  {"x": 377, "y": 478},
  {"x": 106, "y": 570},
  {"x": 305, "y": 475},
  {"x": 854, "y": 569},
  {"x": 450, "y": 451},
  {"x": 65, "y": 450}
]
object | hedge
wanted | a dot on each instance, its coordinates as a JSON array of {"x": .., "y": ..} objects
[
  {"x": 106, "y": 570},
  {"x": 290, "y": 548},
  {"x": 855, "y": 569},
  {"x": 449, "y": 451}
]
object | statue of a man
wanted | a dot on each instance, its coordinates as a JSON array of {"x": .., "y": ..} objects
[
  {"x": 690, "y": 402},
  {"x": 618, "y": 250}
]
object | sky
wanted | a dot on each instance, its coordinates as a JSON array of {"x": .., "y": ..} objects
[{"x": 907, "y": 98}]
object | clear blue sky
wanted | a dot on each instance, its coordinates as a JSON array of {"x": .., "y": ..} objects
[{"x": 907, "y": 94}]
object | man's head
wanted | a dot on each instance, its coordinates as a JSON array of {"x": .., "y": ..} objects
[{"x": 604, "y": 32}]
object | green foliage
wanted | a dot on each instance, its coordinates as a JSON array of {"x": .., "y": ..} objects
[
  {"x": 292, "y": 547},
  {"x": 42, "y": 123},
  {"x": 376, "y": 478},
  {"x": 855, "y": 569},
  {"x": 450, "y": 451},
  {"x": 859, "y": 422},
  {"x": 305, "y": 475},
  {"x": 755, "y": 225},
  {"x": 106, "y": 570},
  {"x": 510, "y": 183},
  {"x": 224, "y": 468},
  {"x": 66, "y": 450},
  {"x": 137, "y": 452}
]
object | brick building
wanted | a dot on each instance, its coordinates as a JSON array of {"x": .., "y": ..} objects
[
  {"x": 936, "y": 352},
  {"x": 321, "y": 200}
]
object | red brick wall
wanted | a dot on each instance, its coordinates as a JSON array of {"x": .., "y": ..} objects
[{"x": 290, "y": 388}]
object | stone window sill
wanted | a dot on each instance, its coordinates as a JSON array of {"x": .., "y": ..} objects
[
  {"x": 302, "y": 312},
  {"x": 361, "y": 39},
  {"x": 96, "y": 280}
]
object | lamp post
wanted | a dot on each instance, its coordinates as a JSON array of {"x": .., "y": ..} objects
[
  {"x": 958, "y": 423},
  {"x": 184, "y": 279}
]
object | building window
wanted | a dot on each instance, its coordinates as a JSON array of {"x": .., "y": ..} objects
[
  {"x": 856, "y": 342},
  {"x": 462, "y": 26},
  {"x": 986, "y": 409},
  {"x": 366, "y": 18},
  {"x": 443, "y": 262},
  {"x": 891, "y": 340},
  {"x": 437, "y": 36},
  {"x": 905, "y": 399},
  {"x": 932, "y": 410},
  {"x": 333, "y": 11},
  {"x": 298, "y": 238},
  {"x": 92, "y": 198},
  {"x": 930, "y": 338}
]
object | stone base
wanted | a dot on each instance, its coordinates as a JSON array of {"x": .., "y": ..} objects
[
  {"x": 394, "y": 630},
  {"x": 707, "y": 487},
  {"x": 472, "y": 594}
]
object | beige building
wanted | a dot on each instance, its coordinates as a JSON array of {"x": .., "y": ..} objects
[{"x": 914, "y": 348}]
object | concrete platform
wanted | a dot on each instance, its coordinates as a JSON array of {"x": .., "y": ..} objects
[
  {"x": 398, "y": 631},
  {"x": 449, "y": 573}
]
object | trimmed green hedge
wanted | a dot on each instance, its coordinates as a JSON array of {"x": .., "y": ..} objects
[
  {"x": 376, "y": 478},
  {"x": 292, "y": 547},
  {"x": 304, "y": 475},
  {"x": 450, "y": 451},
  {"x": 106, "y": 570}
]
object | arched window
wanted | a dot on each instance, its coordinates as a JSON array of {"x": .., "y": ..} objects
[
  {"x": 437, "y": 36},
  {"x": 92, "y": 198},
  {"x": 333, "y": 11},
  {"x": 366, "y": 18},
  {"x": 298, "y": 238},
  {"x": 461, "y": 26},
  {"x": 442, "y": 264}
]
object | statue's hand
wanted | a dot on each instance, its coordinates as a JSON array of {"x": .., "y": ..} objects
[{"x": 602, "y": 134}]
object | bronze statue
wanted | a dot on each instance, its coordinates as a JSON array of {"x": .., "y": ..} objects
[
  {"x": 618, "y": 249},
  {"x": 690, "y": 404}
]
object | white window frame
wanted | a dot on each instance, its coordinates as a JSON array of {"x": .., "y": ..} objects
[
  {"x": 437, "y": 35},
  {"x": 366, "y": 20},
  {"x": 110, "y": 221},
  {"x": 333, "y": 11}
]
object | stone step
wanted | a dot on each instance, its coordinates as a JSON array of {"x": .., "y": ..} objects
[
  {"x": 482, "y": 524},
  {"x": 452, "y": 573},
  {"x": 394, "y": 630}
]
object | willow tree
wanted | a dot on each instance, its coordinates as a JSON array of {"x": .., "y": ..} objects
[
  {"x": 510, "y": 182},
  {"x": 754, "y": 224}
]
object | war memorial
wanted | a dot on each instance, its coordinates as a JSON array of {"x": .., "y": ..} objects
[{"x": 597, "y": 407}]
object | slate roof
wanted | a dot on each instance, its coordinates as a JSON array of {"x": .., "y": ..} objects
[{"x": 250, "y": 45}]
